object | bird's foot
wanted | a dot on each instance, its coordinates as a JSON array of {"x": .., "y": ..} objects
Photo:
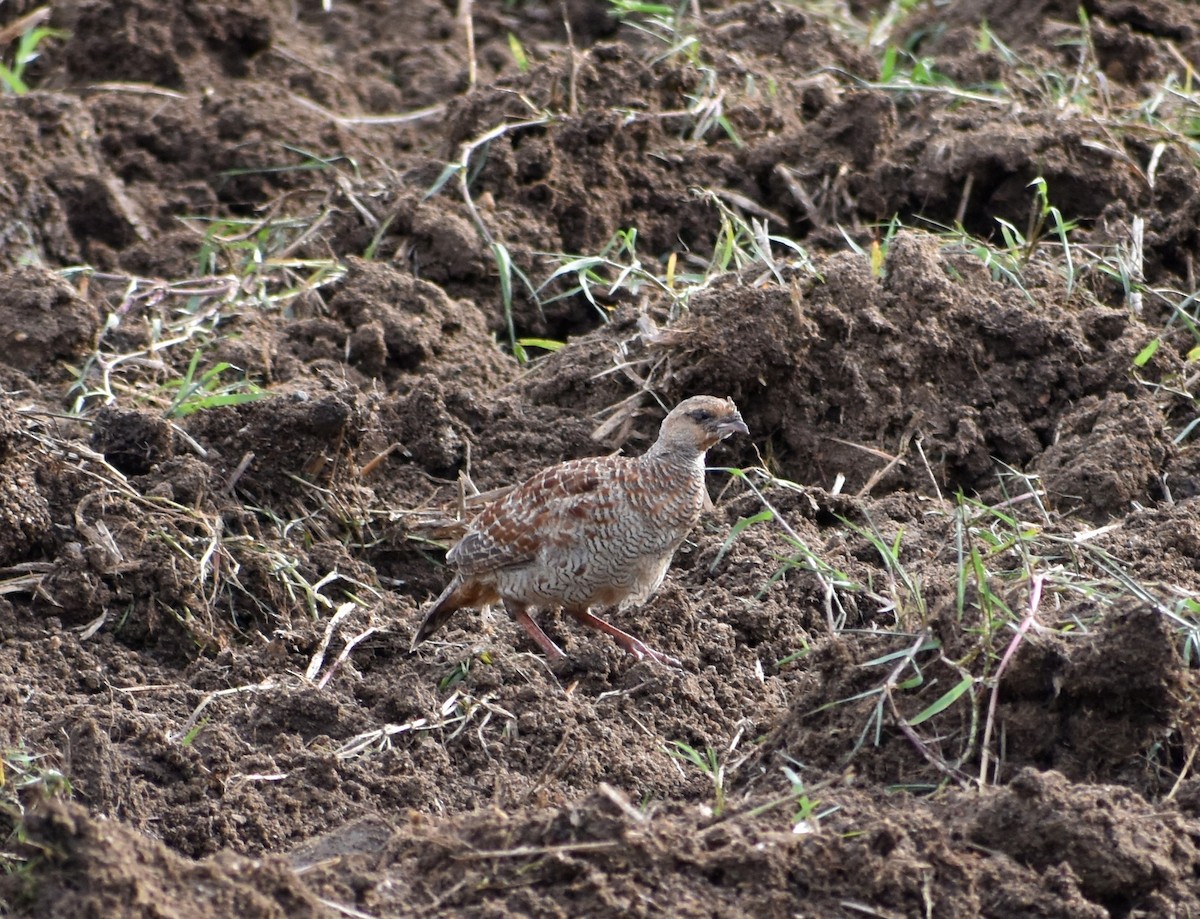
[
  {"x": 635, "y": 646},
  {"x": 640, "y": 650}
]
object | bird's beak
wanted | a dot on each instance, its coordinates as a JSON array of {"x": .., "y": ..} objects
[{"x": 732, "y": 425}]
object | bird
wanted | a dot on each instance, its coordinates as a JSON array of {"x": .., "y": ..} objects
[{"x": 599, "y": 531}]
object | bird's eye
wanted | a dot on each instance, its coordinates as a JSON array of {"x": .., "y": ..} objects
[{"x": 701, "y": 415}]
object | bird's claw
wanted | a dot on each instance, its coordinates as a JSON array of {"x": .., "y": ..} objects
[{"x": 640, "y": 651}]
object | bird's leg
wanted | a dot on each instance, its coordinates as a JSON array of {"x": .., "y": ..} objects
[
  {"x": 631, "y": 645},
  {"x": 519, "y": 612}
]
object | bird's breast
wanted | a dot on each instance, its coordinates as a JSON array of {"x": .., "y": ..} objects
[{"x": 670, "y": 495}]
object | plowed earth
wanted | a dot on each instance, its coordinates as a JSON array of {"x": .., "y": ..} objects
[{"x": 205, "y": 617}]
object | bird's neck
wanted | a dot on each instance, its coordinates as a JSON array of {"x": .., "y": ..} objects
[
  {"x": 684, "y": 458},
  {"x": 675, "y": 490}
]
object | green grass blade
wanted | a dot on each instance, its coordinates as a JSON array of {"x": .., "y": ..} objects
[{"x": 948, "y": 698}]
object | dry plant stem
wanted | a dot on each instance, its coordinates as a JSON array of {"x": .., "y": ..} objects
[
  {"x": 209, "y": 566},
  {"x": 188, "y": 439},
  {"x": 961, "y": 214},
  {"x": 1035, "y": 601},
  {"x": 877, "y": 476},
  {"x": 831, "y": 597},
  {"x": 374, "y": 463},
  {"x": 266, "y": 684},
  {"x": 428, "y": 111},
  {"x": 968, "y": 747},
  {"x": 271, "y": 212},
  {"x": 344, "y": 909},
  {"x": 894, "y": 677},
  {"x": 318, "y": 659},
  {"x": 133, "y": 88},
  {"x": 1137, "y": 258},
  {"x": 1183, "y": 774},
  {"x": 938, "y": 762},
  {"x": 573, "y": 78},
  {"x": 313, "y": 228},
  {"x": 345, "y": 653},
  {"x": 791, "y": 181},
  {"x": 622, "y": 803},
  {"x": 464, "y": 12},
  {"x": 749, "y": 205},
  {"x": 380, "y": 738},
  {"x": 555, "y": 764},
  {"x": 905, "y": 728},
  {"x": 238, "y": 472},
  {"x": 531, "y": 851},
  {"x": 464, "y": 170},
  {"x": 929, "y": 469},
  {"x": 29, "y": 583},
  {"x": 26, "y": 23}
]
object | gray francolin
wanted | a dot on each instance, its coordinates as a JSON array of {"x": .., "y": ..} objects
[{"x": 589, "y": 532}]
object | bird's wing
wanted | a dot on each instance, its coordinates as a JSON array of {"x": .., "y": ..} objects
[{"x": 557, "y": 507}]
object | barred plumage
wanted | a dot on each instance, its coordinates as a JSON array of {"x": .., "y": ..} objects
[{"x": 589, "y": 532}]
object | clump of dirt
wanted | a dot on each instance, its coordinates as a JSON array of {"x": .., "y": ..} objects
[
  {"x": 264, "y": 347},
  {"x": 1108, "y": 456},
  {"x": 102, "y": 868},
  {"x": 48, "y": 319},
  {"x": 1062, "y": 704},
  {"x": 596, "y": 852},
  {"x": 964, "y": 364},
  {"x": 134, "y": 442},
  {"x": 25, "y": 521},
  {"x": 398, "y": 325},
  {"x": 1126, "y": 854}
]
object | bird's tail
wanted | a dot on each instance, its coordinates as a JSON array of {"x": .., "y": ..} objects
[{"x": 456, "y": 596}]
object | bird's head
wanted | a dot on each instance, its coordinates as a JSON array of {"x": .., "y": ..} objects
[{"x": 698, "y": 423}]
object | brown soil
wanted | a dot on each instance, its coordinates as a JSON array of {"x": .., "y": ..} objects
[{"x": 237, "y": 744}]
